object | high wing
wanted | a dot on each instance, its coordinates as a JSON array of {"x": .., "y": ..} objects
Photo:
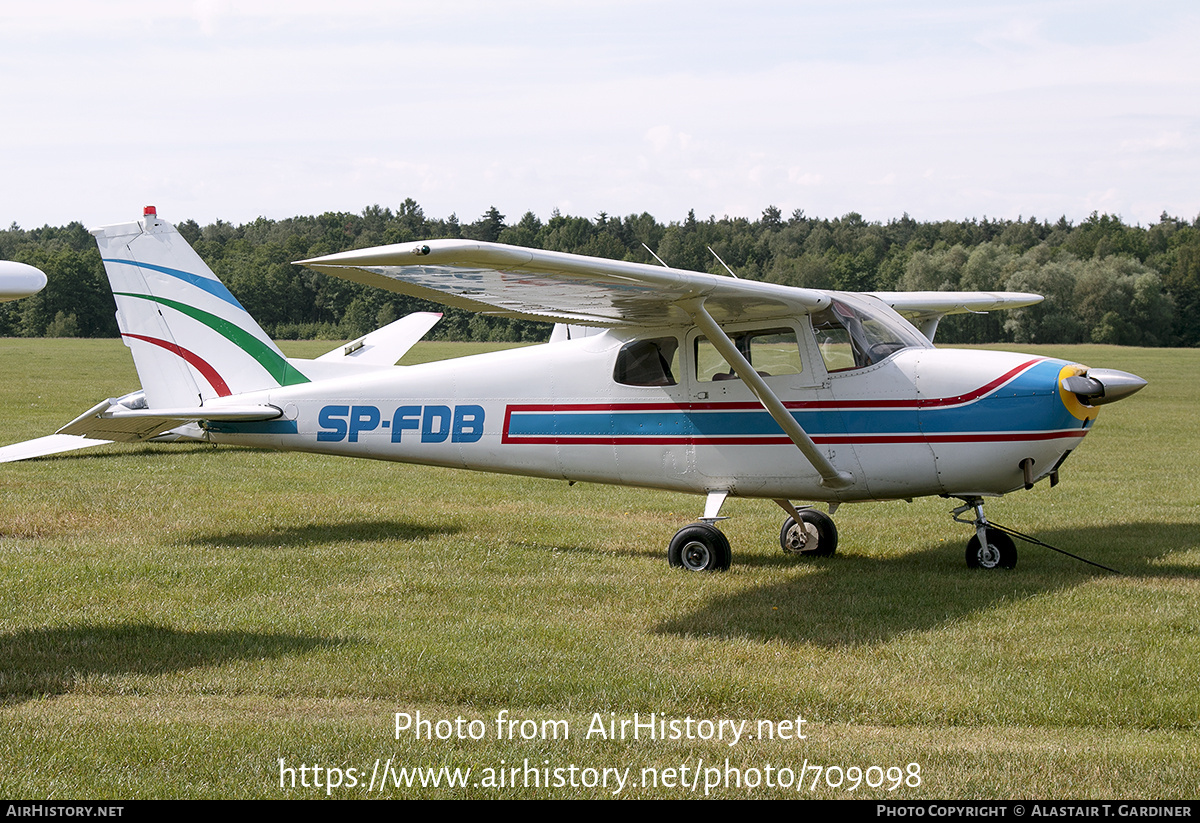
[
  {"x": 924, "y": 309},
  {"x": 568, "y": 288},
  {"x": 530, "y": 284}
]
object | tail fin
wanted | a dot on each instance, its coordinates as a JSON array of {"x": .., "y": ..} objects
[{"x": 191, "y": 339}]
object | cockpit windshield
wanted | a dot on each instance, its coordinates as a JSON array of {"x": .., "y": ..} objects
[{"x": 856, "y": 331}]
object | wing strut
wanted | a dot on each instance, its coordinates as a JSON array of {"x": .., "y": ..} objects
[{"x": 831, "y": 478}]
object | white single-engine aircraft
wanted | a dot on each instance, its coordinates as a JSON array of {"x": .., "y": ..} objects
[{"x": 654, "y": 377}]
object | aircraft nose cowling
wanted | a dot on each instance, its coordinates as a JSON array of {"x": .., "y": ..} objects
[{"x": 1102, "y": 386}]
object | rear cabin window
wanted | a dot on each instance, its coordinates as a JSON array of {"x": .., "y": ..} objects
[
  {"x": 771, "y": 352},
  {"x": 648, "y": 362}
]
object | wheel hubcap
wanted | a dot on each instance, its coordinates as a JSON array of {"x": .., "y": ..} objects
[
  {"x": 803, "y": 537},
  {"x": 696, "y": 556},
  {"x": 989, "y": 556}
]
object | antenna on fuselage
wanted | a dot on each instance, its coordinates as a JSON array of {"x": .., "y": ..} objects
[
  {"x": 655, "y": 256},
  {"x": 722, "y": 262}
]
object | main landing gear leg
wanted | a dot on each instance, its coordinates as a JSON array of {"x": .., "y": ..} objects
[{"x": 990, "y": 548}]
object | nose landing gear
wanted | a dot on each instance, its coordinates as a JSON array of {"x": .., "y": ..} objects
[{"x": 990, "y": 548}]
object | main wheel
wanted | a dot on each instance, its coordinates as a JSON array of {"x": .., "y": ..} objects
[
  {"x": 700, "y": 548},
  {"x": 1000, "y": 552},
  {"x": 815, "y": 536}
]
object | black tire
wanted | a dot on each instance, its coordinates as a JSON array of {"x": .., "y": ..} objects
[
  {"x": 1001, "y": 553},
  {"x": 820, "y": 533},
  {"x": 700, "y": 548}
]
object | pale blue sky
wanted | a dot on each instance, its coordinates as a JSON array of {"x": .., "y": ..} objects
[{"x": 946, "y": 110}]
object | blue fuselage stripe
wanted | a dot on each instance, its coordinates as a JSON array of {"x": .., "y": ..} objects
[
  {"x": 1029, "y": 403},
  {"x": 259, "y": 427}
]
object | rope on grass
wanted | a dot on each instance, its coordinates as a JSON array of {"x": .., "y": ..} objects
[{"x": 1036, "y": 542}]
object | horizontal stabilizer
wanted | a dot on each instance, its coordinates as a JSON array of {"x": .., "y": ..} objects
[
  {"x": 383, "y": 347},
  {"x": 111, "y": 420}
]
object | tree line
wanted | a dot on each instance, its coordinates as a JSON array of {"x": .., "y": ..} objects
[{"x": 1104, "y": 281}]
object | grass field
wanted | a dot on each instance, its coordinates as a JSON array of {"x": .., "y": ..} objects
[{"x": 176, "y": 620}]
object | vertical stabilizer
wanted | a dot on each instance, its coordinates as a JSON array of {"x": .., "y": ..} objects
[{"x": 191, "y": 339}]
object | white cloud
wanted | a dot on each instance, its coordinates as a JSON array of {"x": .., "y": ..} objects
[{"x": 1164, "y": 141}]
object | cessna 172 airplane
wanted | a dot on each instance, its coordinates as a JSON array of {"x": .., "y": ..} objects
[{"x": 654, "y": 377}]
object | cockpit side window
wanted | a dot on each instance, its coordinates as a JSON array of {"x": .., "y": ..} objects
[
  {"x": 653, "y": 362},
  {"x": 770, "y": 351}
]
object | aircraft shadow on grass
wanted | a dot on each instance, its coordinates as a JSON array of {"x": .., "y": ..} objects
[
  {"x": 339, "y": 532},
  {"x": 127, "y": 452},
  {"x": 54, "y": 661},
  {"x": 861, "y": 600}
]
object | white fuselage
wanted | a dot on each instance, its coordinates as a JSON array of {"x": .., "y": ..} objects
[{"x": 923, "y": 421}]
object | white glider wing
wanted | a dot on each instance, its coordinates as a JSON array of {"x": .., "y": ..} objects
[
  {"x": 531, "y": 284},
  {"x": 45, "y": 446},
  {"x": 19, "y": 280}
]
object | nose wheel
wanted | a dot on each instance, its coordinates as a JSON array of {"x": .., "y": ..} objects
[
  {"x": 999, "y": 552},
  {"x": 990, "y": 548}
]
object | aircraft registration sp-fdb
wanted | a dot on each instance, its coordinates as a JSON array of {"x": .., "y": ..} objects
[{"x": 653, "y": 377}]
